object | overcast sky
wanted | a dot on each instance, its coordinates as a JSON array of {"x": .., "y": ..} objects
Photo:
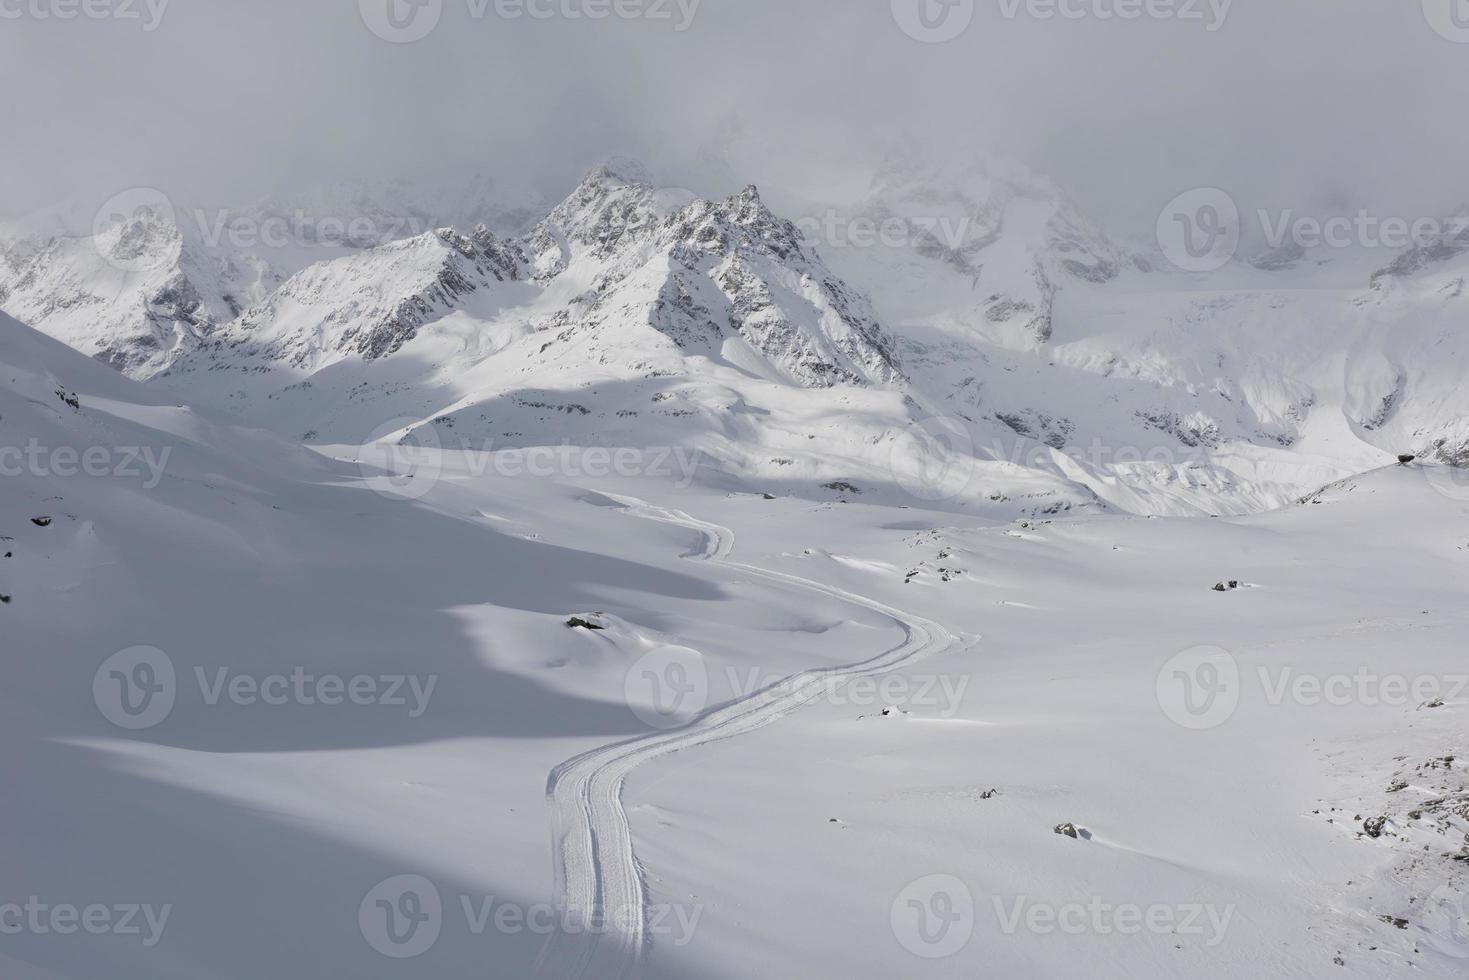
[{"x": 1285, "y": 103}]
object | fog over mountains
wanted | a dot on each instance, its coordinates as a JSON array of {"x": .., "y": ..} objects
[
  {"x": 968, "y": 317},
  {"x": 728, "y": 489}
]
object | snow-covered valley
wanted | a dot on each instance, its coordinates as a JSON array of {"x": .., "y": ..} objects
[
  {"x": 733, "y": 490},
  {"x": 311, "y": 711}
]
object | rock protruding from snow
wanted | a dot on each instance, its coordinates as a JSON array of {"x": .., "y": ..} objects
[
  {"x": 614, "y": 206},
  {"x": 775, "y": 294},
  {"x": 367, "y": 304},
  {"x": 704, "y": 275}
]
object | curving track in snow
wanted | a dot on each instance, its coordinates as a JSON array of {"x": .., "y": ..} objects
[{"x": 599, "y": 883}]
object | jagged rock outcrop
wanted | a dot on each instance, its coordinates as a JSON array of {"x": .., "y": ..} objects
[
  {"x": 368, "y": 304},
  {"x": 733, "y": 269}
]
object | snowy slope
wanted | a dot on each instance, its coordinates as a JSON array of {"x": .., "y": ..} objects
[
  {"x": 1160, "y": 391},
  {"x": 987, "y": 330},
  {"x": 790, "y": 828},
  {"x": 629, "y": 317},
  {"x": 1253, "y": 824},
  {"x": 136, "y": 294},
  {"x": 145, "y": 279}
]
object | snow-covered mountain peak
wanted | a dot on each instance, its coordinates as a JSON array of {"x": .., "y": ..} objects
[
  {"x": 622, "y": 170},
  {"x": 632, "y": 314},
  {"x": 1451, "y": 242},
  {"x": 367, "y": 304},
  {"x": 740, "y": 221},
  {"x": 966, "y": 206},
  {"x": 606, "y": 210},
  {"x": 146, "y": 237}
]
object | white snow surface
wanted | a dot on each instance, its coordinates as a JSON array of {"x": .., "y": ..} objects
[
  {"x": 786, "y": 823},
  {"x": 999, "y": 339}
]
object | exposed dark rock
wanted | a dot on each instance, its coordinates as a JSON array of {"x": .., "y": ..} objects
[{"x": 1277, "y": 259}]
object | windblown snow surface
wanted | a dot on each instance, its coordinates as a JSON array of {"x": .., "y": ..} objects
[
  {"x": 652, "y": 593},
  {"x": 886, "y": 713}
]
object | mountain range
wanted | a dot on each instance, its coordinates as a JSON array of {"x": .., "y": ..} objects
[{"x": 962, "y": 332}]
